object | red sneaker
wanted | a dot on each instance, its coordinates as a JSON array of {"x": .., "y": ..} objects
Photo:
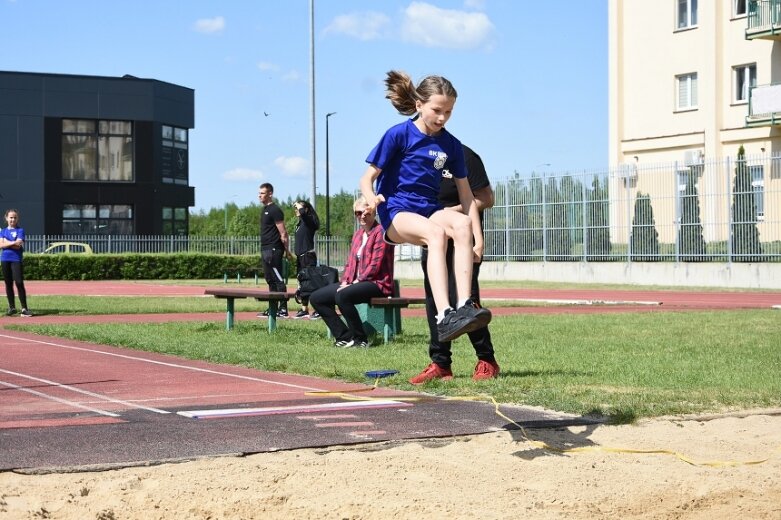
[
  {"x": 486, "y": 370},
  {"x": 433, "y": 371}
]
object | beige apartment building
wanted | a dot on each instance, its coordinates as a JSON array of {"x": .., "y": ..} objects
[{"x": 689, "y": 83}]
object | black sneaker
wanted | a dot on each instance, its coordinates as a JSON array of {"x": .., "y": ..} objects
[
  {"x": 314, "y": 316},
  {"x": 301, "y": 314},
  {"x": 26, "y": 314},
  {"x": 282, "y": 313},
  {"x": 262, "y": 314},
  {"x": 352, "y": 343},
  {"x": 454, "y": 324},
  {"x": 481, "y": 315},
  {"x": 10, "y": 312}
]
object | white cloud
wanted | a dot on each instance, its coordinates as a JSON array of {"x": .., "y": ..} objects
[
  {"x": 264, "y": 65},
  {"x": 428, "y": 25},
  {"x": 210, "y": 25},
  {"x": 243, "y": 174},
  {"x": 363, "y": 26},
  {"x": 291, "y": 75},
  {"x": 292, "y": 166}
]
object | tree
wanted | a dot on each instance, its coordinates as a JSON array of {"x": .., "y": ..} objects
[
  {"x": 211, "y": 223},
  {"x": 597, "y": 223},
  {"x": 559, "y": 240},
  {"x": 245, "y": 222},
  {"x": 690, "y": 240},
  {"x": 644, "y": 242},
  {"x": 745, "y": 235}
]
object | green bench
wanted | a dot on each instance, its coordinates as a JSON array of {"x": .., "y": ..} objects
[
  {"x": 383, "y": 315},
  {"x": 230, "y": 296}
]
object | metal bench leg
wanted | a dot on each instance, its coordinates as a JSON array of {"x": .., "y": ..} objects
[
  {"x": 229, "y": 314},
  {"x": 388, "y": 329},
  {"x": 272, "y": 315}
]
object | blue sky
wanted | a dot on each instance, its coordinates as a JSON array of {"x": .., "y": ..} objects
[{"x": 531, "y": 78}]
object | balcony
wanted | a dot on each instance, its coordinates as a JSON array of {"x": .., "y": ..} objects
[
  {"x": 764, "y": 20},
  {"x": 764, "y": 105}
]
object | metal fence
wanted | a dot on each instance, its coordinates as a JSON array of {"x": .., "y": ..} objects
[
  {"x": 695, "y": 210},
  {"x": 336, "y": 247}
]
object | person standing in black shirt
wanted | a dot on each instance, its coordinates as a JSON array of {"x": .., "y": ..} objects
[
  {"x": 274, "y": 245},
  {"x": 440, "y": 351},
  {"x": 304, "y": 246}
]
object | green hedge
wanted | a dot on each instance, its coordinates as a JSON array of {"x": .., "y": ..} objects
[{"x": 139, "y": 266}]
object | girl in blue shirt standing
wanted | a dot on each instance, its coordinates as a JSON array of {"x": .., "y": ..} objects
[
  {"x": 12, "y": 245},
  {"x": 408, "y": 164}
]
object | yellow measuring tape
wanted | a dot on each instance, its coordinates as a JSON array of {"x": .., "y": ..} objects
[
  {"x": 346, "y": 394},
  {"x": 583, "y": 449}
]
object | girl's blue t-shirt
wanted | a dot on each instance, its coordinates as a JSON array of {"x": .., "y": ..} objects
[
  {"x": 11, "y": 254},
  {"x": 412, "y": 165}
]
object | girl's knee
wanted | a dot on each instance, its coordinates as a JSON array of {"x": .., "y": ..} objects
[
  {"x": 462, "y": 227},
  {"x": 436, "y": 237}
]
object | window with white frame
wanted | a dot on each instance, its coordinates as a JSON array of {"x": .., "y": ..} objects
[
  {"x": 745, "y": 78},
  {"x": 687, "y": 14},
  {"x": 758, "y": 188},
  {"x": 739, "y": 8},
  {"x": 686, "y": 87}
]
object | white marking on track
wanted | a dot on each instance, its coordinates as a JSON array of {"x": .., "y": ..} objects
[
  {"x": 84, "y": 392},
  {"x": 163, "y": 363},
  {"x": 57, "y": 399},
  {"x": 270, "y": 410}
]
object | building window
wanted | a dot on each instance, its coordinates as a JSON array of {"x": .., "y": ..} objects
[
  {"x": 97, "y": 150},
  {"x": 758, "y": 187},
  {"x": 91, "y": 219},
  {"x": 738, "y": 8},
  {"x": 175, "y": 221},
  {"x": 745, "y": 78},
  {"x": 174, "y": 159},
  {"x": 686, "y": 91},
  {"x": 687, "y": 14}
]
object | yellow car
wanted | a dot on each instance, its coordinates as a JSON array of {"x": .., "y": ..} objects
[{"x": 68, "y": 247}]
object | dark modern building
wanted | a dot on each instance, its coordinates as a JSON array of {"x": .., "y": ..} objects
[{"x": 95, "y": 155}]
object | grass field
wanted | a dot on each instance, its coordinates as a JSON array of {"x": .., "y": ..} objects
[{"x": 621, "y": 365}]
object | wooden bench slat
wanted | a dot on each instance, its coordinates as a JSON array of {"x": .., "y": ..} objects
[
  {"x": 250, "y": 293},
  {"x": 396, "y": 301}
]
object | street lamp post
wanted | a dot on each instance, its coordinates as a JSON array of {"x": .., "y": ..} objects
[{"x": 327, "y": 195}]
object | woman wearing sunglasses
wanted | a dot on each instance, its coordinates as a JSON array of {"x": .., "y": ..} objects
[{"x": 367, "y": 274}]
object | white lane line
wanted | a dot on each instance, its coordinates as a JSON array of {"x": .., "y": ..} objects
[
  {"x": 163, "y": 363},
  {"x": 85, "y": 392},
  {"x": 585, "y": 302},
  {"x": 273, "y": 410},
  {"x": 57, "y": 399}
]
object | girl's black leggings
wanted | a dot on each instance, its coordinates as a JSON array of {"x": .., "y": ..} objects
[{"x": 13, "y": 272}]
